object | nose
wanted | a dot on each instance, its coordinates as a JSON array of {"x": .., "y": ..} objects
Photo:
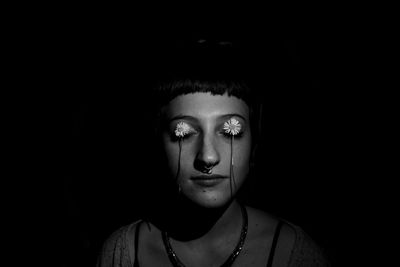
[{"x": 207, "y": 156}]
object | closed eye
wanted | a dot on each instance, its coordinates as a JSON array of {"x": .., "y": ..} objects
[
  {"x": 190, "y": 134},
  {"x": 182, "y": 131},
  {"x": 229, "y": 135}
]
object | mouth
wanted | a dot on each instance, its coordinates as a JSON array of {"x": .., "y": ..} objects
[
  {"x": 208, "y": 177},
  {"x": 208, "y": 180}
]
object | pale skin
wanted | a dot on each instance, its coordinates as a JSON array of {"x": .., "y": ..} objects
[
  {"x": 208, "y": 222},
  {"x": 208, "y": 144}
]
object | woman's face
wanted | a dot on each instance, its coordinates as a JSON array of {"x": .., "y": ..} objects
[{"x": 207, "y": 145}]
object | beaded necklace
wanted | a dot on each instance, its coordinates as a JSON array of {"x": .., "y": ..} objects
[{"x": 177, "y": 263}]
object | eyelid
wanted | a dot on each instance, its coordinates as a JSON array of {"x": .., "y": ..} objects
[
  {"x": 186, "y": 128},
  {"x": 182, "y": 129},
  {"x": 232, "y": 127}
]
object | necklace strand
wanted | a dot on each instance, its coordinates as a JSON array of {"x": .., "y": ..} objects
[{"x": 177, "y": 263}]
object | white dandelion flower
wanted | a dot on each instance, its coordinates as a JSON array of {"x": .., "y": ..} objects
[
  {"x": 232, "y": 126},
  {"x": 182, "y": 129}
]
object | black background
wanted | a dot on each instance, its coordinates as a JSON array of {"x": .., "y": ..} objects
[{"x": 95, "y": 65}]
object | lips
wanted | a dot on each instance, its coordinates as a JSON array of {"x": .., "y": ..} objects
[
  {"x": 208, "y": 180},
  {"x": 208, "y": 177}
]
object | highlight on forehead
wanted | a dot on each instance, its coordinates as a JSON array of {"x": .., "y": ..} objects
[
  {"x": 166, "y": 89},
  {"x": 203, "y": 106},
  {"x": 190, "y": 118}
]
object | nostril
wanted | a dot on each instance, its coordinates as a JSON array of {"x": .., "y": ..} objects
[
  {"x": 207, "y": 170},
  {"x": 204, "y": 167},
  {"x": 207, "y": 156}
]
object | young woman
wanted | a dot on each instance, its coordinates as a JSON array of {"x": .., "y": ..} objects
[{"x": 207, "y": 128}]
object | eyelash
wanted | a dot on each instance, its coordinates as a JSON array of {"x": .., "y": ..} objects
[
  {"x": 227, "y": 135},
  {"x": 193, "y": 132},
  {"x": 189, "y": 135}
]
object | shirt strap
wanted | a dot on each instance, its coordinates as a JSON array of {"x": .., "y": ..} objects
[
  {"x": 274, "y": 242},
  {"x": 136, "y": 262}
]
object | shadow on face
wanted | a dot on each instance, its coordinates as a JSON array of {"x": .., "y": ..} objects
[{"x": 208, "y": 163}]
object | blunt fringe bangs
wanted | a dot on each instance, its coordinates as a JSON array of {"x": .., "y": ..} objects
[
  {"x": 171, "y": 89},
  {"x": 168, "y": 90}
]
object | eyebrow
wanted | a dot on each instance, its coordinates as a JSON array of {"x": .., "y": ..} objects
[{"x": 191, "y": 118}]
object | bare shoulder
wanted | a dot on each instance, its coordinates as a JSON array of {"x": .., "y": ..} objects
[
  {"x": 131, "y": 230},
  {"x": 264, "y": 222},
  {"x": 306, "y": 251},
  {"x": 285, "y": 244},
  {"x": 263, "y": 227},
  {"x": 147, "y": 244},
  {"x": 294, "y": 247}
]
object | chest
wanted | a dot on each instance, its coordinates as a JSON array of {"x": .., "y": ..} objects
[{"x": 255, "y": 252}]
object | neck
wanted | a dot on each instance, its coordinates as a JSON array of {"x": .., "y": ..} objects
[{"x": 187, "y": 221}]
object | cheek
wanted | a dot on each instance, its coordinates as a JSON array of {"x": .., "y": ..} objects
[
  {"x": 171, "y": 150},
  {"x": 241, "y": 155}
]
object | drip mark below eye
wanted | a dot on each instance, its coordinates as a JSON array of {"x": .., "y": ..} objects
[
  {"x": 182, "y": 129},
  {"x": 232, "y": 127}
]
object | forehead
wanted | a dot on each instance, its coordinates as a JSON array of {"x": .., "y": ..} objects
[{"x": 206, "y": 105}]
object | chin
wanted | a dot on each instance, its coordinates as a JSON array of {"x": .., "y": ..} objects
[{"x": 210, "y": 199}]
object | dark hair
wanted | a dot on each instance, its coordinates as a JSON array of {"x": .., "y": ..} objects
[
  {"x": 171, "y": 89},
  {"x": 208, "y": 69},
  {"x": 168, "y": 90},
  {"x": 211, "y": 67}
]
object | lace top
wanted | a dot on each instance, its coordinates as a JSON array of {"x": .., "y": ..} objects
[{"x": 117, "y": 250}]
